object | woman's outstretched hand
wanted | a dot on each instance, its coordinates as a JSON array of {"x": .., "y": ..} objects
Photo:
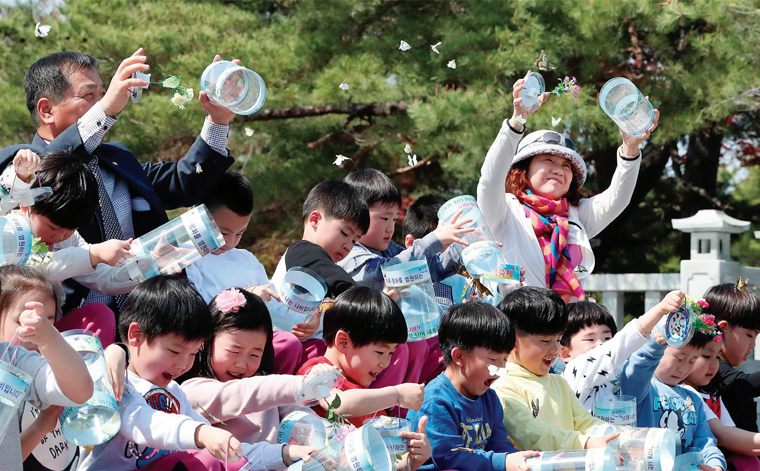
[
  {"x": 631, "y": 143},
  {"x": 520, "y": 110}
]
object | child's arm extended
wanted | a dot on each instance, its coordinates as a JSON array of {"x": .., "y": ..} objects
[
  {"x": 598, "y": 365},
  {"x": 36, "y": 431},
  {"x": 498, "y": 161},
  {"x": 19, "y": 175},
  {"x": 359, "y": 402},
  {"x": 735, "y": 439},
  {"x": 230, "y": 399},
  {"x": 636, "y": 376},
  {"x": 68, "y": 368},
  {"x": 366, "y": 266}
]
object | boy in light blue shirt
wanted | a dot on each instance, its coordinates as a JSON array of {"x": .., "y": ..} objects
[{"x": 654, "y": 374}]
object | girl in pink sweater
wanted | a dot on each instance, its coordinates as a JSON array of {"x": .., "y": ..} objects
[{"x": 229, "y": 383}]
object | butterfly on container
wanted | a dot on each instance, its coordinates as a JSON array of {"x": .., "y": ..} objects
[
  {"x": 741, "y": 283},
  {"x": 542, "y": 63}
]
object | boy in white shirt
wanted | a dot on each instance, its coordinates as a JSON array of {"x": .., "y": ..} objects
[
  {"x": 165, "y": 323},
  {"x": 231, "y": 205},
  {"x": 594, "y": 351}
]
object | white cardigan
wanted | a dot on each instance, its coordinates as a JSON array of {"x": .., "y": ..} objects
[{"x": 506, "y": 217}]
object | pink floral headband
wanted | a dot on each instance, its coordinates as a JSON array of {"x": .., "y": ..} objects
[
  {"x": 705, "y": 323},
  {"x": 230, "y": 300}
]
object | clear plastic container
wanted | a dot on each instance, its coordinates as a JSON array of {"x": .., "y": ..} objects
[
  {"x": 688, "y": 461},
  {"x": 596, "y": 459},
  {"x": 301, "y": 293},
  {"x": 417, "y": 297},
  {"x": 318, "y": 387},
  {"x": 13, "y": 385},
  {"x": 302, "y": 428},
  {"x": 532, "y": 89},
  {"x": 97, "y": 420},
  {"x": 16, "y": 234},
  {"x": 627, "y": 106},
  {"x": 135, "y": 93},
  {"x": 616, "y": 410},
  {"x": 362, "y": 450},
  {"x": 482, "y": 256},
  {"x": 178, "y": 243},
  {"x": 390, "y": 429},
  {"x": 25, "y": 198},
  {"x": 234, "y": 87},
  {"x": 651, "y": 449}
]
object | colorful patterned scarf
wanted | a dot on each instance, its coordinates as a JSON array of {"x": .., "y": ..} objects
[{"x": 549, "y": 221}]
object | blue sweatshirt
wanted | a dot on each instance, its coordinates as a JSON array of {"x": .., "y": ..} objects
[
  {"x": 458, "y": 422},
  {"x": 673, "y": 407}
]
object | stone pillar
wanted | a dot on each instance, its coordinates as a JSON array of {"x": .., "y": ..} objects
[
  {"x": 710, "y": 255},
  {"x": 613, "y": 301}
]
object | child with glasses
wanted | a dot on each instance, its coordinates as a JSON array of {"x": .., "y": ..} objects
[{"x": 532, "y": 199}]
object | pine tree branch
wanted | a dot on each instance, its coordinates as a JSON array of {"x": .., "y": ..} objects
[
  {"x": 400, "y": 171},
  {"x": 352, "y": 109}
]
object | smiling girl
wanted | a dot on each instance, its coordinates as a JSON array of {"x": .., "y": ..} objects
[
  {"x": 532, "y": 200},
  {"x": 229, "y": 383}
]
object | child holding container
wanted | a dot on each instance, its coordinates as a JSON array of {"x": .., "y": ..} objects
[
  {"x": 362, "y": 329},
  {"x": 530, "y": 195},
  {"x": 595, "y": 352},
  {"x": 541, "y": 410},
  {"x": 467, "y": 430},
  {"x": 654, "y": 375},
  {"x": 230, "y": 203},
  {"x": 165, "y": 323},
  {"x": 374, "y": 250},
  {"x": 742, "y": 444},
  {"x": 229, "y": 382},
  {"x": 55, "y": 374}
]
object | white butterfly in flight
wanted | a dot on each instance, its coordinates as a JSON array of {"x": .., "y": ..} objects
[{"x": 41, "y": 30}]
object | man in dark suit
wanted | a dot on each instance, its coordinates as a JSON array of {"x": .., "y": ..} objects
[{"x": 73, "y": 112}]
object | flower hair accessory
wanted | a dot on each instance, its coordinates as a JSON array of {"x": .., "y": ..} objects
[
  {"x": 230, "y": 300},
  {"x": 705, "y": 323}
]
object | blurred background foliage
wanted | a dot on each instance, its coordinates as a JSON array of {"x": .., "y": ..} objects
[{"x": 696, "y": 60}]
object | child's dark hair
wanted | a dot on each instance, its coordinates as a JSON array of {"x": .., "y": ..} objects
[
  {"x": 233, "y": 191},
  {"x": 535, "y": 311},
  {"x": 738, "y": 308},
  {"x": 422, "y": 216},
  {"x": 167, "y": 304},
  {"x": 700, "y": 340},
  {"x": 374, "y": 186},
  {"x": 584, "y": 314},
  {"x": 471, "y": 325},
  {"x": 337, "y": 200},
  {"x": 367, "y": 315},
  {"x": 75, "y": 190},
  {"x": 253, "y": 316},
  {"x": 16, "y": 280}
]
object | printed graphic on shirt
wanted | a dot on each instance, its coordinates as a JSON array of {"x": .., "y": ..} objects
[
  {"x": 534, "y": 405},
  {"x": 713, "y": 402},
  {"x": 677, "y": 413},
  {"x": 475, "y": 433},
  {"x": 54, "y": 452},
  {"x": 161, "y": 400}
]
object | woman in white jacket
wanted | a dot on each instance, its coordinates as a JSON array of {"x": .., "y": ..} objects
[{"x": 531, "y": 198}]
